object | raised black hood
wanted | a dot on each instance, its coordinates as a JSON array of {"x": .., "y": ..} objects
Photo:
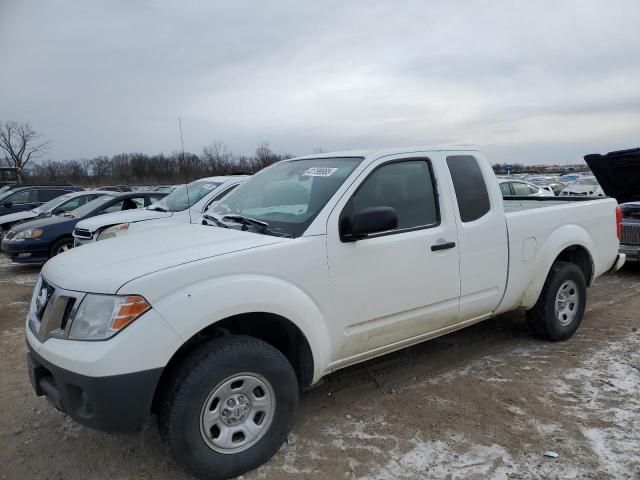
[{"x": 618, "y": 173}]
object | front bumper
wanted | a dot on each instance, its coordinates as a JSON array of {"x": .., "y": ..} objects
[
  {"x": 77, "y": 241},
  {"x": 631, "y": 251},
  {"x": 117, "y": 403},
  {"x": 26, "y": 251}
]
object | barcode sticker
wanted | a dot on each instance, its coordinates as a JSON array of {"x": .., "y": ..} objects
[{"x": 319, "y": 172}]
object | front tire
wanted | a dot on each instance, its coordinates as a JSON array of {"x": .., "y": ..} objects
[
  {"x": 227, "y": 407},
  {"x": 559, "y": 310},
  {"x": 61, "y": 246}
]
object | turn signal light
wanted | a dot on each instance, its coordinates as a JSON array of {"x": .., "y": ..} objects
[{"x": 132, "y": 307}]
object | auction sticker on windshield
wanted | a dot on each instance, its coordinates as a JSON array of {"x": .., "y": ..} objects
[{"x": 319, "y": 172}]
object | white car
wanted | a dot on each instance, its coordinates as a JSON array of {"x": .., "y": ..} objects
[
  {"x": 59, "y": 205},
  {"x": 312, "y": 265},
  {"x": 586, "y": 186},
  {"x": 523, "y": 189},
  {"x": 185, "y": 204}
]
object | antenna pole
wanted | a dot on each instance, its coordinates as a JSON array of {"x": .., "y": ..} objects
[{"x": 186, "y": 180}]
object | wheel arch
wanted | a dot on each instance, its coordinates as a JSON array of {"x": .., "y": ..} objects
[{"x": 276, "y": 330}]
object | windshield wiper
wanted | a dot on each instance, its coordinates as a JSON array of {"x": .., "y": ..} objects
[
  {"x": 214, "y": 220},
  {"x": 262, "y": 227},
  {"x": 252, "y": 222}
]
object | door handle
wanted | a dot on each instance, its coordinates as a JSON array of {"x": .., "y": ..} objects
[{"x": 442, "y": 246}]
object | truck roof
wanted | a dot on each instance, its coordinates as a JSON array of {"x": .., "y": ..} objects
[{"x": 389, "y": 151}]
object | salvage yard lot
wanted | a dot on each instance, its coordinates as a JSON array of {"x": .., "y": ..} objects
[{"x": 485, "y": 402}]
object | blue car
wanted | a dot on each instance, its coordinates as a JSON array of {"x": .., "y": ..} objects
[
  {"x": 27, "y": 197},
  {"x": 39, "y": 240}
]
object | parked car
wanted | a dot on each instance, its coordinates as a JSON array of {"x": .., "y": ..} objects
[
  {"x": 28, "y": 197},
  {"x": 551, "y": 183},
  {"x": 618, "y": 173},
  {"x": 570, "y": 177},
  {"x": 520, "y": 188},
  {"x": 586, "y": 186},
  {"x": 37, "y": 241},
  {"x": 312, "y": 265},
  {"x": 59, "y": 205},
  {"x": 186, "y": 204}
]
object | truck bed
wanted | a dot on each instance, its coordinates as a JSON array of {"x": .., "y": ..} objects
[
  {"x": 535, "y": 224},
  {"x": 516, "y": 204}
]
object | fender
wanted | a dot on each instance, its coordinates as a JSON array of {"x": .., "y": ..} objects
[
  {"x": 197, "y": 306},
  {"x": 562, "y": 238}
]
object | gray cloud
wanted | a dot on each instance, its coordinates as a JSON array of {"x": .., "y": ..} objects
[{"x": 527, "y": 81}]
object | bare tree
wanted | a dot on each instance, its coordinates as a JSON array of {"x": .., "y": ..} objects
[
  {"x": 20, "y": 143},
  {"x": 218, "y": 158}
]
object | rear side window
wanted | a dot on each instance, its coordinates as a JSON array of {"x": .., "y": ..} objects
[
  {"x": 505, "y": 188},
  {"x": 521, "y": 189},
  {"x": 470, "y": 187},
  {"x": 44, "y": 195}
]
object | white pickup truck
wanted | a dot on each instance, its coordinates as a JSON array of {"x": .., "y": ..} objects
[{"x": 314, "y": 264}]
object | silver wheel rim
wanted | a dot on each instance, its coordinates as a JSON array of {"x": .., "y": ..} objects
[
  {"x": 567, "y": 300},
  {"x": 237, "y": 413},
  {"x": 64, "y": 248}
]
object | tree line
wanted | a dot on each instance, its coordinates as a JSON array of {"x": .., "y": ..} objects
[
  {"x": 143, "y": 169},
  {"x": 23, "y": 150}
]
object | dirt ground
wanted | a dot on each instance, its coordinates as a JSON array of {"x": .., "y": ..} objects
[{"x": 482, "y": 403}]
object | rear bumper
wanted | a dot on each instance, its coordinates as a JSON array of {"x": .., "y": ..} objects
[
  {"x": 632, "y": 252},
  {"x": 617, "y": 265},
  {"x": 117, "y": 403}
]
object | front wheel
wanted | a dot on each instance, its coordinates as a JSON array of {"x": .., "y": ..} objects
[
  {"x": 559, "y": 310},
  {"x": 228, "y": 407},
  {"x": 61, "y": 246}
]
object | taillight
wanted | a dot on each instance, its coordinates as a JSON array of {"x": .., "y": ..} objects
[{"x": 619, "y": 222}]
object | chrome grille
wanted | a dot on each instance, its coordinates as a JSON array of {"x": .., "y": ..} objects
[
  {"x": 10, "y": 235},
  {"x": 631, "y": 234},
  {"x": 51, "y": 308},
  {"x": 82, "y": 233}
]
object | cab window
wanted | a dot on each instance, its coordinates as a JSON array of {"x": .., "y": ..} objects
[{"x": 406, "y": 186}]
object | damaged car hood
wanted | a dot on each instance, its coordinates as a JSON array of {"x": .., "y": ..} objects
[{"x": 618, "y": 173}]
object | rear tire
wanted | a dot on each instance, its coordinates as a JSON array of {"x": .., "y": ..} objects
[
  {"x": 227, "y": 407},
  {"x": 559, "y": 310},
  {"x": 61, "y": 246}
]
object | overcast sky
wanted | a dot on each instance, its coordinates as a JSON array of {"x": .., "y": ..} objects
[{"x": 529, "y": 81}]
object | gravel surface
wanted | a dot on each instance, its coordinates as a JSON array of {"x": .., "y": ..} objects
[{"x": 483, "y": 403}]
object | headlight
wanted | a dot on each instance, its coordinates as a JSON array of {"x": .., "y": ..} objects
[
  {"x": 102, "y": 316},
  {"x": 113, "y": 232},
  {"x": 28, "y": 233}
]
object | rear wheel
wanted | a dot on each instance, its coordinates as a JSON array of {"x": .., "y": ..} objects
[
  {"x": 560, "y": 308},
  {"x": 228, "y": 406},
  {"x": 61, "y": 246}
]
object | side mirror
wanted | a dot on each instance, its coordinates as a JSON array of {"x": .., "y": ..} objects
[
  {"x": 7, "y": 204},
  {"x": 373, "y": 220},
  {"x": 58, "y": 211}
]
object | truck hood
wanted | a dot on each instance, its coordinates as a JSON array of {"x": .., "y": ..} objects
[
  {"x": 618, "y": 173},
  {"x": 17, "y": 217},
  {"x": 127, "y": 216},
  {"x": 104, "y": 267}
]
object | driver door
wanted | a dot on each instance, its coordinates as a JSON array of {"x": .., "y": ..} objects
[{"x": 393, "y": 288}]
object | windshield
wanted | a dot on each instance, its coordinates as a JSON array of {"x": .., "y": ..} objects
[
  {"x": 3, "y": 189},
  {"x": 182, "y": 197},
  {"x": 587, "y": 181},
  {"x": 52, "y": 204},
  {"x": 90, "y": 206},
  {"x": 288, "y": 195}
]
